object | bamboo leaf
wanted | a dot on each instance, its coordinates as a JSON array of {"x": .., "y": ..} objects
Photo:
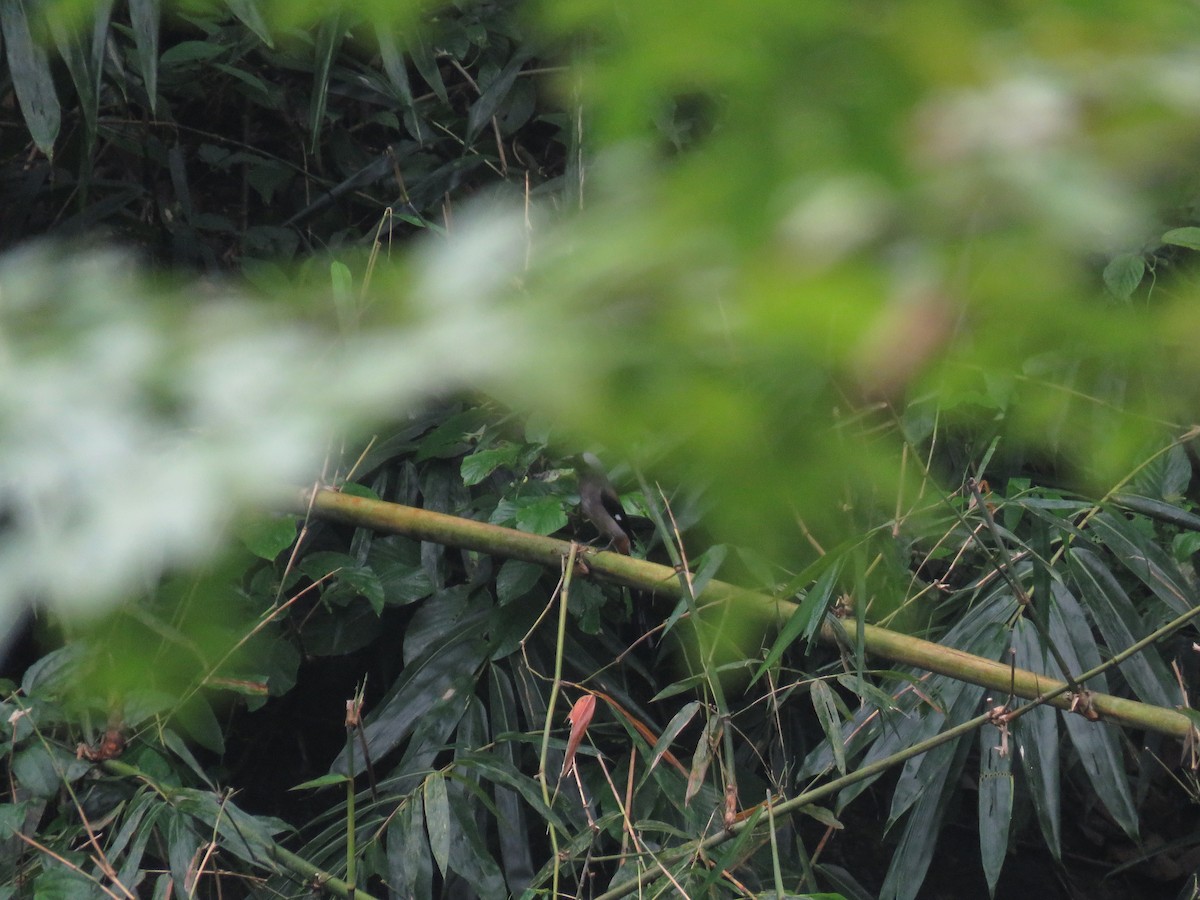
[
  {"x": 995, "y": 800},
  {"x": 31, "y": 77},
  {"x": 146, "y": 15},
  {"x": 827, "y": 714},
  {"x": 1037, "y": 739},
  {"x": 1121, "y": 626},
  {"x": 437, "y": 820}
]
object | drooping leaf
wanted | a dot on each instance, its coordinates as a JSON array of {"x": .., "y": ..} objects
[
  {"x": 827, "y": 715},
  {"x": 1121, "y": 626},
  {"x": 31, "y": 77},
  {"x": 995, "y": 800},
  {"x": 146, "y": 16},
  {"x": 437, "y": 820},
  {"x": 1123, "y": 274}
]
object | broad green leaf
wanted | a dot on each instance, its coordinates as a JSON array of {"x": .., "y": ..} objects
[
  {"x": 84, "y": 62},
  {"x": 827, "y": 715},
  {"x": 268, "y": 536},
  {"x": 1123, "y": 274},
  {"x": 42, "y": 771},
  {"x": 146, "y": 16},
  {"x": 482, "y": 463},
  {"x": 1183, "y": 237},
  {"x": 542, "y": 515},
  {"x": 198, "y": 720},
  {"x": 31, "y": 77},
  {"x": 417, "y": 42},
  {"x": 515, "y": 579},
  {"x": 437, "y": 820},
  {"x": 190, "y": 52}
]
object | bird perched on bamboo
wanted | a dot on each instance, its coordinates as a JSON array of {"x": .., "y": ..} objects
[{"x": 600, "y": 504}]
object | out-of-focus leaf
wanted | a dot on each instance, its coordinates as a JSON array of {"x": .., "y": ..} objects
[
  {"x": 437, "y": 820},
  {"x": 199, "y": 721},
  {"x": 543, "y": 515},
  {"x": 1123, "y": 274},
  {"x": 31, "y": 76},
  {"x": 330, "y": 32},
  {"x": 995, "y": 800},
  {"x": 267, "y": 537},
  {"x": 1183, "y": 237},
  {"x": 806, "y": 619},
  {"x": 146, "y": 16},
  {"x": 482, "y": 463},
  {"x": 417, "y": 42},
  {"x": 84, "y": 62},
  {"x": 42, "y": 771},
  {"x": 1121, "y": 626},
  {"x": 827, "y": 715},
  {"x": 251, "y": 15},
  {"x": 493, "y": 95}
]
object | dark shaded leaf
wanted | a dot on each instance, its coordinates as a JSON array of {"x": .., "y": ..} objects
[
  {"x": 146, "y": 16},
  {"x": 410, "y": 865},
  {"x": 31, "y": 77},
  {"x": 1121, "y": 626},
  {"x": 437, "y": 820},
  {"x": 995, "y": 800}
]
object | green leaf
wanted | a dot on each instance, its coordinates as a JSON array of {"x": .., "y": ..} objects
[
  {"x": 678, "y": 722},
  {"x": 1037, "y": 740},
  {"x": 1123, "y": 274},
  {"x": 42, "y": 771},
  {"x": 250, "y": 14},
  {"x": 479, "y": 465},
  {"x": 437, "y": 820},
  {"x": 515, "y": 579},
  {"x": 1121, "y": 626},
  {"x": 321, "y": 781},
  {"x": 198, "y": 720},
  {"x": 1183, "y": 237},
  {"x": 805, "y": 620},
  {"x": 330, "y": 33},
  {"x": 493, "y": 95},
  {"x": 827, "y": 715},
  {"x": 469, "y": 855},
  {"x": 31, "y": 77},
  {"x": 409, "y": 863},
  {"x": 146, "y": 16},
  {"x": 268, "y": 536},
  {"x": 541, "y": 515},
  {"x": 995, "y": 800},
  {"x": 189, "y": 52}
]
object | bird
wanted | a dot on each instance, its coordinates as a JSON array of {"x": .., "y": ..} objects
[{"x": 600, "y": 504}]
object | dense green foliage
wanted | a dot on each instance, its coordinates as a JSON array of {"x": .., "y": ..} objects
[{"x": 889, "y": 313}]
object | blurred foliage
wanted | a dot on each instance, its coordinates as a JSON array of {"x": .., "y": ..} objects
[{"x": 820, "y": 262}]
